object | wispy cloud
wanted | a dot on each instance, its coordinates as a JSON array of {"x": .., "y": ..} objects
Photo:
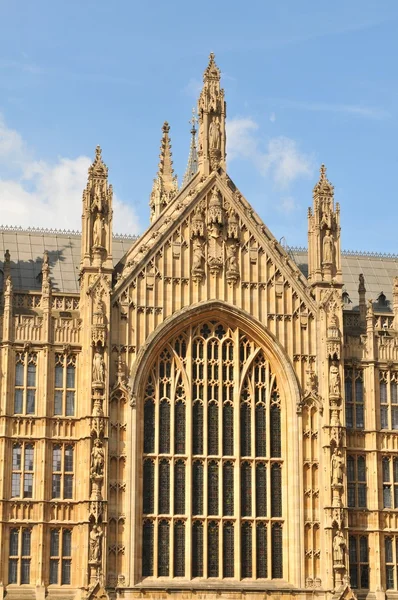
[
  {"x": 193, "y": 87},
  {"x": 278, "y": 158},
  {"x": 356, "y": 110},
  {"x": 41, "y": 193}
]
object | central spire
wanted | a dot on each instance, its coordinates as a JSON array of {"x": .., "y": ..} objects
[
  {"x": 212, "y": 113},
  {"x": 192, "y": 166},
  {"x": 165, "y": 185}
]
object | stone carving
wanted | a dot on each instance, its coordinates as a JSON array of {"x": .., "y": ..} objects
[
  {"x": 337, "y": 467},
  {"x": 97, "y": 459},
  {"x": 198, "y": 223},
  {"x": 95, "y": 544},
  {"x": 233, "y": 226},
  {"x": 339, "y": 547},
  {"x": 215, "y": 213},
  {"x": 215, "y": 134},
  {"x": 334, "y": 380},
  {"x": 197, "y": 260},
  {"x": 232, "y": 271},
  {"x": 98, "y": 229},
  {"x": 327, "y": 248},
  {"x": 98, "y": 368}
]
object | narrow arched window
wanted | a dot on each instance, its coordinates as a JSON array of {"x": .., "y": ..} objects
[
  {"x": 212, "y": 549},
  {"x": 179, "y": 549},
  {"x": 197, "y": 487},
  {"x": 179, "y": 488},
  {"x": 197, "y": 549},
  {"x": 228, "y": 549},
  {"x": 163, "y": 548},
  {"x": 246, "y": 552},
  {"x": 246, "y": 489},
  {"x": 228, "y": 489}
]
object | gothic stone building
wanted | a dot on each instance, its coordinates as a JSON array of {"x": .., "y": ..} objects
[{"x": 197, "y": 411}]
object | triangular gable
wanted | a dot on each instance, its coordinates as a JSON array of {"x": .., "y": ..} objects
[{"x": 217, "y": 228}]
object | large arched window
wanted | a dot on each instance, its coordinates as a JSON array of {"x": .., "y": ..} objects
[{"x": 212, "y": 459}]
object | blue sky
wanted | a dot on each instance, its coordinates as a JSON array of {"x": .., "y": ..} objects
[{"x": 305, "y": 83}]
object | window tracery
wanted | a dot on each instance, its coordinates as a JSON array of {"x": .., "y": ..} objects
[{"x": 216, "y": 382}]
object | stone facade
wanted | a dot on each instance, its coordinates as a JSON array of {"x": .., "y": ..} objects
[{"x": 200, "y": 418}]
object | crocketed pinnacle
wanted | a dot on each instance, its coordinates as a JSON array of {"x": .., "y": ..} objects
[
  {"x": 192, "y": 166},
  {"x": 212, "y": 71},
  {"x": 165, "y": 185},
  {"x": 323, "y": 186},
  {"x": 98, "y": 168}
]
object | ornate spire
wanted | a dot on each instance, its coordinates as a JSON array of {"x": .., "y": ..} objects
[
  {"x": 323, "y": 186},
  {"x": 192, "y": 166},
  {"x": 212, "y": 113},
  {"x": 165, "y": 185}
]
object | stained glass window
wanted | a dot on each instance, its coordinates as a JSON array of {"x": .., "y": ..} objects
[
  {"x": 262, "y": 550},
  {"x": 179, "y": 427},
  {"x": 164, "y": 427},
  {"x": 212, "y": 549},
  {"x": 213, "y": 428},
  {"x": 358, "y": 547},
  {"x": 276, "y": 487},
  {"x": 277, "y": 570},
  {"x": 197, "y": 549},
  {"x": 149, "y": 426},
  {"x": 261, "y": 490},
  {"x": 163, "y": 548},
  {"x": 212, "y": 486},
  {"x": 197, "y": 434},
  {"x": 246, "y": 551},
  {"x": 228, "y": 549},
  {"x": 228, "y": 430},
  {"x": 179, "y": 487},
  {"x": 149, "y": 486},
  {"x": 261, "y": 446},
  {"x": 246, "y": 489},
  {"x": 179, "y": 549},
  {"x": 164, "y": 487},
  {"x": 245, "y": 429},
  {"x": 275, "y": 431},
  {"x": 228, "y": 489},
  {"x": 197, "y": 487},
  {"x": 147, "y": 549}
]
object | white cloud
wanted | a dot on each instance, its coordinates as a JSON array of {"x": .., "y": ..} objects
[
  {"x": 38, "y": 193},
  {"x": 281, "y": 161},
  {"x": 193, "y": 88}
]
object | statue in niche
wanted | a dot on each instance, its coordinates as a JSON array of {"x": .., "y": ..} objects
[
  {"x": 215, "y": 134},
  {"x": 98, "y": 228},
  {"x": 327, "y": 248},
  {"x": 198, "y": 256},
  {"x": 334, "y": 380},
  {"x": 8, "y": 285},
  {"x": 97, "y": 459},
  {"x": 98, "y": 368},
  {"x": 232, "y": 261},
  {"x": 339, "y": 546},
  {"x": 95, "y": 543},
  {"x": 337, "y": 467}
]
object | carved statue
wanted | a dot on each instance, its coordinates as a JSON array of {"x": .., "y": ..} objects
[
  {"x": 215, "y": 134},
  {"x": 339, "y": 546},
  {"x": 327, "y": 248},
  {"x": 337, "y": 467},
  {"x": 97, "y": 459},
  {"x": 232, "y": 262},
  {"x": 8, "y": 285},
  {"x": 98, "y": 368},
  {"x": 95, "y": 543},
  {"x": 334, "y": 380},
  {"x": 98, "y": 229},
  {"x": 198, "y": 256}
]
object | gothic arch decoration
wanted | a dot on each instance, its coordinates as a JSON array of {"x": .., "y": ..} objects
[{"x": 211, "y": 455}]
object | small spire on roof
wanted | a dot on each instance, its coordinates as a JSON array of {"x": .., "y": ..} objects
[
  {"x": 165, "y": 185},
  {"x": 98, "y": 168},
  {"x": 192, "y": 166}
]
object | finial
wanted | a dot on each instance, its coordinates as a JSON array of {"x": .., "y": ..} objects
[
  {"x": 193, "y": 121},
  {"x": 192, "y": 166},
  {"x": 165, "y": 185},
  {"x": 7, "y": 256},
  {"x": 98, "y": 168},
  {"x": 322, "y": 171},
  {"x": 212, "y": 71},
  {"x": 166, "y": 127},
  {"x": 98, "y": 153}
]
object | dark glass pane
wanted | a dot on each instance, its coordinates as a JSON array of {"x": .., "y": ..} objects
[
  {"x": 70, "y": 404},
  {"x": 228, "y": 489},
  {"x": 25, "y": 570},
  {"x": 354, "y": 575},
  {"x": 212, "y": 486},
  {"x": 228, "y": 549},
  {"x": 59, "y": 376},
  {"x": 212, "y": 428},
  {"x": 54, "y": 542},
  {"x": 197, "y": 549},
  {"x": 16, "y": 485},
  {"x": 351, "y": 495},
  {"x": 352, "y": 549},
  {"x": 197, "y": 488},
  {"x": 14, "y": 536},
  {"x": 276, "y": 491},
  {"x": 348, "y": 390},
  {"x": 349, "y": 416},
  {"x": 163, "y": 548},
  {"x": 394, "y": 417},
  {"x": 149, "y": 426},
  {"x": 277, "y": 566},
  {"x": 28, "y": 485},
  {"x": 395, "y": 470},
  {"x": 359, "y": 390},
  {"x": 57, "y": 458},
  {"x": 363, "y": 549},
  {"x": 54, "y": 566},
  {"x": 31, "y": 375},
  {"x": 261, "y": 445},
  {"x": 275, "y": 432},
  {"x": 389, "y": 577},
  {"x": 67, "y": 543},
  {"x": 384, "y": 417},
  {"x": 361, "y": 495},
  {"x": 26, "y": 542},
  {"x": 12, "y": 570},
  {"x": 245, "y": 430},
  {"x": 148, "y": 487},
  {"x": 261, "y": 490},
  {"x": 228, "y": 430},
  {"x": 56, "y": 486},
  {"x": 361, "y": 467},
  {"x": 179, "y": 427},
  {"x": 147, "y": 549},
  {"x": 29, "y": 457},
  {"x": 246, "y": 550},
  {"x": 262, "y": 551},
  {"x": 386, "y": 470},
  {"x": 164, "y": 487},
  {"x": 350, "y": 468},
  {"x": 365, "y": 577},
  {"x": 16, "y": 457},
  {"x": 179, "y": 549},
  {"x": 394, "y": 393},
  {"x": 197, "y": 437},
  {"x": 18, "y": 402},
  {"x": 359, "y": 417},
  {"x": 19, "y": 373},
  {"x": 69, "y": 459},
  {"x": 58, "y": 394},
  {"x": 66, "y": 571},
  {"x": 383, "y": 392},
  {"x": 70, "y": 376},
  {"x": 164, "y": 427},
  {"x": 212, "y": 549},
  {"x": 179, "y": 488},
  {"x": 246, "y": 489},
  {"x": 31, "y": 402}
]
